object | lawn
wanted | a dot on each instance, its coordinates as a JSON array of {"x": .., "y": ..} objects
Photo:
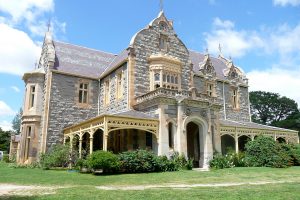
[{"x": 82, "y": 186}]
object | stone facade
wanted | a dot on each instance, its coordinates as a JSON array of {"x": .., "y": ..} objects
[{"x": 156, "y": 94}]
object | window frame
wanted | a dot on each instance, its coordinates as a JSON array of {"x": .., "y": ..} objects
[
  {"x": 106, "y": 92},
  {"x": 235, "y": 98},
  {"x": 84, "y": 93},
  {"x": 32, "y": 95},
  {"x": 210, "y": 89},
  {"x": 119, "y": 85}
]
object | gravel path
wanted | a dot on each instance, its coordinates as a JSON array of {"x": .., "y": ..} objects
[
  {"x": 25, "y": 190},
  {"x": 187, "y": 186}
]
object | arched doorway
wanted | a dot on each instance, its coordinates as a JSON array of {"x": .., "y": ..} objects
[
  {"x": 121, "y": 140},
  {"x": 75, "y": 143},
  {"x": 242, "y": 142},
  {"x": 193, "y": 143},
  {"x": 85, "y": 145},
  {"x": 98, "y": 140},
  {"x": 281, "y": 140},
  {"x": 227, "y": 144}
]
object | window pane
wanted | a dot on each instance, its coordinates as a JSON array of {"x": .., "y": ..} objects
[
  {"x": 164, "y": 78},
  {"x": 84, "y": 97},
  {"x": 33, "y": 89},
  {"x": 80, "y": 96},
  {"x": 176, "y": 80},
  {"x": 81, "y": 86},
  {"x": 156, "y": 77},
  {"x": 172, "y": 79},
  {"x": 168, "y": 78},
  {"x": 86, "y": 86}
]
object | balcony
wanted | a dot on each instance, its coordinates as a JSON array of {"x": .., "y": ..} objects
[{"x": 178, "y": 95}]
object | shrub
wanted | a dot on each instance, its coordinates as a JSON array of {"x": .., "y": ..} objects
[
  {"x": 5, "y": 158},
  {"x": 238, "y": 159},
  {"x": 295, "y": 154},
  {"x": 58, "y": 156},
  {"x": 105, "y": 160},
  {"x": 140, "y": 161},
  {"x": 220, "y": 161},
  {"x": 265, "y": 152}
]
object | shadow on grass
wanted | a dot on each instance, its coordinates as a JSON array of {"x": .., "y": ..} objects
[{"x": 16, "y": 197}]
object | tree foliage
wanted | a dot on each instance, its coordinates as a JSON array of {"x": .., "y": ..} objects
[
  {"x": 270, "y": 108},
  {"x": 16, "y": 122},
  {"x": 4, "y": 140}
]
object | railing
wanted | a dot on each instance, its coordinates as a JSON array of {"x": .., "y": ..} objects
[{"x": 169, "y": 93}]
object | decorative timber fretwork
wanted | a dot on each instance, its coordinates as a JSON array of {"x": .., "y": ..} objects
[
  {"x": 236, "y": 132},
  {"x": 108, "y": 123}
]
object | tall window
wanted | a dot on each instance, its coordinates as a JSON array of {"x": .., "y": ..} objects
[
  {"x": 83, "y": 92},
  {"x": 235, "y": 98},
  {"x": 171, "y": 135},
  {"x": 32, "y": 96},
  {"x": 119, "y": 85},
  {"x": 27, "y": 142},
  {"x": 210, "y": 89},
  {"x": 163, "y": 42},
  {"x": 106, "y": 92}
]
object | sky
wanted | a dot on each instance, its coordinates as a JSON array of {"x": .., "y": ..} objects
[{"x": 262, "y": 37}]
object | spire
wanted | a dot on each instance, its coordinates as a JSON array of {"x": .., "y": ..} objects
[
  {"x": 161, "y": 5},
  {"x": 49, "y": 25}
]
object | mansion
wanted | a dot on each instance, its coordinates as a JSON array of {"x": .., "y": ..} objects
[{"x": 156, "y": 94}]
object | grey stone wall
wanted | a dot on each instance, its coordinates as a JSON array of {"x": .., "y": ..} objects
[
  {"x": 199, "y": 84},
  {"x": 64, "y": 108},
  {"x": 115, "y": 105},
  {"x": 145, "y": 44},
  {"x": 241, "y": 114}
]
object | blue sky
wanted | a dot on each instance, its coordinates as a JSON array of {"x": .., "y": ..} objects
[{"x": 262, "y": 37}]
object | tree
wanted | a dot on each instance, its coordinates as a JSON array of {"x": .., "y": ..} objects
[
  {"x": 270, "y": 108},
  {"x": 4, "y": 140},
  {"x": 16, "y": 122}
]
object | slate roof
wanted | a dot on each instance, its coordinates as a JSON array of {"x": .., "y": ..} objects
[
  {"x": 80, "y": 60},
  {"x": 136, "y": 114},
  {"x": 92, "y": 63},
  {"x": 198, "y": 58},
  {"x": 252, "y": 125}
]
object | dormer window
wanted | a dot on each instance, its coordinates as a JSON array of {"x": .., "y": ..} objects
[{"x": 163, "y": 26}]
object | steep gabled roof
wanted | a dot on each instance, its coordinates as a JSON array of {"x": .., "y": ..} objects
[
  {"x": 197, "y": 58},
  {"x": 81, "y": 61}
]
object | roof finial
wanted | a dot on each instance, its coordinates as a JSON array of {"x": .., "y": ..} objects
[
  {"x": 220, "y": 49},
  {"x": 161, "y": 5},
  {"x": 49, "y": 25},
  {"x": 206, "y": 50}
]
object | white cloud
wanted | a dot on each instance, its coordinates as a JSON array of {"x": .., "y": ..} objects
[
  {"x": 5, "y": 110},
  {"x": 15, "y": 88},
  {"x": 18, "y": 52},
  {"x": 25, "y": 9},
  {"x": 227, "y": 24},
  {"x": 286, "y": 2},
  {"x": 234, "y": 43},
  {"x": 284, "y": 82},
  {"x": 5, "y": 125}
]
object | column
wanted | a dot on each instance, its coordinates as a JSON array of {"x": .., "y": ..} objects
[
  {"x": 91, "y": 144},
  {"x": 180, "y": 133},
  {"x": 71, "y": 142},
  {"x": 161, "y": 78},
  {"x": 236, "y": 141},
  {"x": 80, "y": 146},
  {"x": 252, "y": 137},
  {"x": 105, "y": 142}
]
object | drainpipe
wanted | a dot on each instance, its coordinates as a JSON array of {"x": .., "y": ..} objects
[
  {"x": 224, "y": 100},
  {"x": 99, "y": 90}
]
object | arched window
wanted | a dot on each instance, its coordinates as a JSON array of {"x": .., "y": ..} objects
[
  {"x": 168, "y": 78},
  {"x": 171, "y": 135},
  {"x": 157, "y": 77},
  {"x": 172, "y": 79},
  {"x": 164, "y": 78},
  {"x": 176, "y": 80}
]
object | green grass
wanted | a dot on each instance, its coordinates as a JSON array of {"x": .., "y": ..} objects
[{"x": 82, "y": 185}]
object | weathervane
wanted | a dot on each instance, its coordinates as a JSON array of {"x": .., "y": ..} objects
[{"x": 161, "y": 5}]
